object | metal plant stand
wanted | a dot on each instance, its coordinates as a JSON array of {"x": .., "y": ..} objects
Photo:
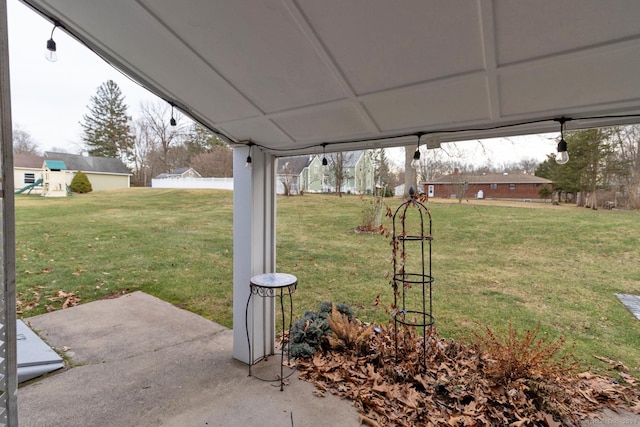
[
  {"x": 412, "y": 278},
  {"x": 271, "y": 285}
]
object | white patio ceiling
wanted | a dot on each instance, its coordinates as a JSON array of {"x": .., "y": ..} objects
[{"x": 290, "y": 75}]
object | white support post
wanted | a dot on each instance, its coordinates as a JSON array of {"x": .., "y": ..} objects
[
  {"x": 254, "y": 250},
  {"x": 8, "y": 349}
]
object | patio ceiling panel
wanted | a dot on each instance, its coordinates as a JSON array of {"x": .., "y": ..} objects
[
  {"x": 397, "y": 44},
  {"x": 431, "y": 105},
  {"x": 561, "y": 27},
  {"x": 332, "y": 121},
  {"x": 144, "y": 47},
  {"x": 575, "y": 79},
  {"x": 290, "y": 75},
  {"x": 263, "y": 53}
]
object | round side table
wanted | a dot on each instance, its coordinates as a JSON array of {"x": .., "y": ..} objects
[{"x": 271, "y": 285}]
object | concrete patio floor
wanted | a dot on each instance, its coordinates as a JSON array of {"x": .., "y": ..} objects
[{"x": 139, "y": 361}]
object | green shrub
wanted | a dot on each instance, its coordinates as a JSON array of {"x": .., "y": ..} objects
[{"x": 80, "y": 183}]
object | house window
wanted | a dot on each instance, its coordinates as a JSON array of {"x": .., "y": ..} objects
[
  {"x": 512, "y": 186},
  {"x": 29, "y": 178},
  {"x": 493, "y": 186},
  {"x": 316, "y": 169}
]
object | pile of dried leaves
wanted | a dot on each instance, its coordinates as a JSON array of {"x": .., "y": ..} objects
[
  {"x": 516, "y": 381},
  {"x": 58, "y": 299}
]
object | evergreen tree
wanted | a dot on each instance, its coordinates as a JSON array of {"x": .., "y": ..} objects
[
  {"x": 200, "y": 140},
  {"x": 593, "y": 163},
  {"x": 107, "y": 130}
]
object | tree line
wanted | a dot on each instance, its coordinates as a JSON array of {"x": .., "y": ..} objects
[
  {"x": 158, "y": 141},
  {"x": 604, "y": 161}
]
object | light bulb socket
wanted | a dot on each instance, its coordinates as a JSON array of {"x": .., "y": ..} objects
[
  {"x": 50, "y": 54},
  {"x": 416, "y": 155},
  {"x": 562, "y": 145},
  {"x": 51, "y": 45},
  {"x": 172, "y": 121},
  {"x": 324, "y": 161}
]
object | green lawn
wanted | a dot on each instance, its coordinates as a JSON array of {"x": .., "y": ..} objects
[{"x": 494, "y": 265}]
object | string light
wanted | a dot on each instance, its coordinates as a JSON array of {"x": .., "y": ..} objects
[
  {"x": 249, "y": 163},
  {"x": 51, "y": 54},
  {"x": 415, "y": 163},
  {"x": 173, "y": 120},
  {"x": 562, "y": 157},
  {"x": 324, "y": 159}
]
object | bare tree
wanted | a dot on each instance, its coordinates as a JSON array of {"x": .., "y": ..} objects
[
  {"x": 338, "y": 170},
  {"x": 23, "y": 143},
  {"x": 217, "y": 163},
  {"x": 528, "y": 165},
  {"x": 285, "y": 173},
  {"x": 166, "y": 138},
  {"x": 459, "y": 185},
  {"x": 626, "y": 140},
  {"x": 143, "y": 147}
]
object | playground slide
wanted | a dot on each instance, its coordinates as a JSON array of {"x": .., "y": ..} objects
[{"x": 30, "y": 187}]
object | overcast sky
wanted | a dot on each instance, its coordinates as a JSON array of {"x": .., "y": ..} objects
[{"x": 49, "y": 99}]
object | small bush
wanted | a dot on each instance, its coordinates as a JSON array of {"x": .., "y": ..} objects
[
  {"x": 310, "y": 331},
  {"x": 80, "y": 183},
  {"x": 514, "y": 357}
]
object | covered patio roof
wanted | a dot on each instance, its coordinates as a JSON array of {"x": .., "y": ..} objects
[
  {"x": 291, "y": 75},
  {"x": 297, "y": 76}
]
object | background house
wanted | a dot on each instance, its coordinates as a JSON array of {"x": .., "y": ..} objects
[
  {"x": 516, "y": 186},
  {"x": 27, "y": 169},
  {"x": 294, "y": 175},
  {"x": 180, "y": 173},
  {"x": 103, "y": 173},
  {"x": 358, "y": 173},
  {"x": 307, "y": 174}
]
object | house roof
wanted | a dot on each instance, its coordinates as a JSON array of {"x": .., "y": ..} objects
[
  {"x": 352, "y": 158},
  {"x": 29, "y": 161},
  {"x": 179, "y": 171},
  {"x": 293, "y": 165},
  {"x": 89, "y": 164},
  {"x": 491, "y": 178},
  {"x": 292, "y": 75}
]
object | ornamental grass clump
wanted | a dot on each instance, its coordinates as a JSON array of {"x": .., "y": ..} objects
[
  {"x": 348, "y": 333},
  {"x": 517, "y": 357}
]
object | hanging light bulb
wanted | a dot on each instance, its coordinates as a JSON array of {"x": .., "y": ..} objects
[
  {"x": 324, "y": 158},
  {"x": 172, "y": 122},
  {"x": 51, "y": 55},
  {"x": 415, "y": 163},
  {"x": 249, "y": 163},
  {"x": 562, "y": 157}
]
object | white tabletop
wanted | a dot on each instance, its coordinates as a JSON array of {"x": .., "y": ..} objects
[{"x": 274, "y": 280}]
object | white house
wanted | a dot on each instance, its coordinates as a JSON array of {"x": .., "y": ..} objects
[{"x": 103, "y": 173}]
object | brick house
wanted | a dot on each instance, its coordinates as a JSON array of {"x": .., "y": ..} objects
[{"x": 517, "y": 186}]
